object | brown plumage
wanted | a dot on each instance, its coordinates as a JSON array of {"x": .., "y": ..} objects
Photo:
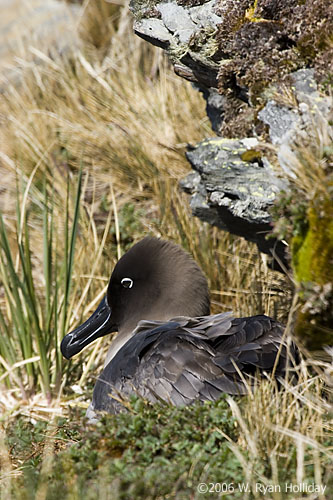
[{"x": 168, "y": 346}]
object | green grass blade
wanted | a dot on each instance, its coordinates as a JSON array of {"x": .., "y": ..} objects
[
  {"x": 47, "y": 257},
  {"x": 70, "y": 250},
  {"x": 32, "y": 302},
  {"x": 12, "y": 285}
]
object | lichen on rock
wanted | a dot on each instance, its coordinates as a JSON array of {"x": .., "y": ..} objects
[
  {"x": 240, "y": 47},
  {"x": 234, "y": 188},
  {"x": 265, "y": 40}
]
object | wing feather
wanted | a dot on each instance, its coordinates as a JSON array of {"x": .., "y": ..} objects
[{"x": 188, "y": 359}]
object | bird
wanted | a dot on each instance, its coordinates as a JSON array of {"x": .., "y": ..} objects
[{"x": 169, "y": 347}]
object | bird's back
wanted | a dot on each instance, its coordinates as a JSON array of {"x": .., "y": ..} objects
[{"x": 189, "y": 359}]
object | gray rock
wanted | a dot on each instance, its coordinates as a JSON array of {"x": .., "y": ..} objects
[
  {"x": 246, "y": 187},
  {"x": 186, "y": 32},
  {"x": 215, "y": 109},
  {"x": 177, "y": 20},
  {"x": 215, "y": 103},
  {"x": 285, "y": 123},
  {"x": 204, "y": 15},
  {"x": 154, "y": 31},
  {"x": 235, "y": 189},
  {"x": 280, "y": 120},
  {"x": 191, "y": 183},
  {"x": 304, "y": 83}
]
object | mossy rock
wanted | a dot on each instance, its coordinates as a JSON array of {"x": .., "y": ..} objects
[
  {"x": 312, "y": 261},
  {"x": 312, "y": 255}
]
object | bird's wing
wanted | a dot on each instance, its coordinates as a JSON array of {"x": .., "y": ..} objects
[{"x": 188, "y": 359}]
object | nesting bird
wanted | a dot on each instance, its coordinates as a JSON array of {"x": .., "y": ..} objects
[{"x": 168, "y": 345}]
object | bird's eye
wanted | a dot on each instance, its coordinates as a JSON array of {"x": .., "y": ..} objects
[{"x": 127, "y": 282}]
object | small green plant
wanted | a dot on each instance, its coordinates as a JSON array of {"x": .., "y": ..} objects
[
  {"x": 272, "y": 437},
  {"x": 129, "y": 225},
  {"x": 35, "y": 317},
  {"x": 290, "y": 217}
]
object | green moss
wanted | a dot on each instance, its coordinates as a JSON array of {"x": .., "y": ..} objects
[
  {"x": 312, "y": 261},
  {"x": 290, "y": 217},
  {"x": 251, "y": 155},
  {"x": 312, "y": 255},
  {"x": 305, "y": 221},
  {"x": 177, "y": 51}
]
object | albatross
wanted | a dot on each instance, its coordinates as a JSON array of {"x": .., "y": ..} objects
[{"x": 169, "y": 347}]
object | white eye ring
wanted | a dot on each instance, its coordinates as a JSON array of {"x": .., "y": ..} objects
[{"x": 127, "y": 282}]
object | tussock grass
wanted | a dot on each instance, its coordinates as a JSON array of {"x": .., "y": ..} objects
[
  {"x": 290, "y": 420},
  {"x": 113, "y": 109},
  {"x": 35, "y": 308}
]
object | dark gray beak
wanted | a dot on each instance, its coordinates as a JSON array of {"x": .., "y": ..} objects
[{"x": 98, "y": 325}]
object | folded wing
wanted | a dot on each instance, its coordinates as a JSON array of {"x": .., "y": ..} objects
[{"x": 188, "y": 359}]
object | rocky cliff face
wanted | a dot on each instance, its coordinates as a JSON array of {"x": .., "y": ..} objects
[
  {"x": 264, "y": 68},
  {"x": 234, "y": 49}
]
